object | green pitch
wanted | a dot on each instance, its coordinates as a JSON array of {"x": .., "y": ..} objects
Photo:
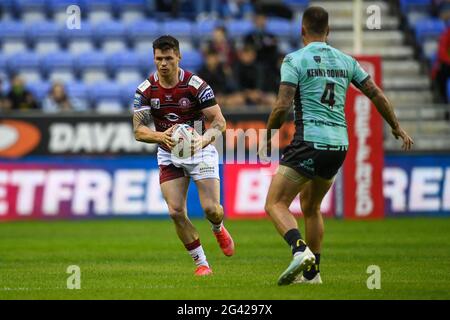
[{"x": 143, "y": 259}]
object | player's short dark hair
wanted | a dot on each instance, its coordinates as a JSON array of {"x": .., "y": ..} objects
[
  {"x": 167, "y": 42},
  {"x": 315, "y": 19}
]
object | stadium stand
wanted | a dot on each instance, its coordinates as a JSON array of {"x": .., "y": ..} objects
[{"x": 114, "y": 47}]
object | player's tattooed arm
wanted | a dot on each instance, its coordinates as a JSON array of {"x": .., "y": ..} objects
[
  {"x": 385, "y": 108},
  {"x": 383, "y": 105},
  {"x": 141, "y": 120},
  {"x": 218, "y": 124},
  {"x": 282, "y": 107}
]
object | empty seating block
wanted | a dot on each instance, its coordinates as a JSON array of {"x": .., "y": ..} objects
[
  {"x": 59, "y": 66},
  {"x": 414, "y": 5},
  {"x": 111, "y": 36},
  {"x": 44, "y": 36},
  {"x": 428, "y": 28},
  {"x": 12, "y": 37},
  {"x": 142, "y": 34},
  {"x": 92, "y": 66},
  {"x": 239, "y": 28}
]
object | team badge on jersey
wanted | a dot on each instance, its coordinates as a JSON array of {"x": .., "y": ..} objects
[
  {"x": 206, "y": 94},
  {"x": 172, "y": 117},
  {"x": 137, "y": 102},
  {"x": 184, "y": 103},
  {"x": 317, "y": 59},
  {"x": 155, "y": 103}
]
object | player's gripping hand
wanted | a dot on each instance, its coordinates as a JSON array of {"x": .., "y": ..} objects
[
  {"x": 407, "y": 140},
  {"x": 166, "y": 137},
  {"x": 198, "y": 143}
]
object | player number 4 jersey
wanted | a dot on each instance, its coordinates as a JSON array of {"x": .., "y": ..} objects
[{"x": 321, "y": 75}]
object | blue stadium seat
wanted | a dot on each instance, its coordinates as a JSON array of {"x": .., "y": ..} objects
[
  {"x": 297, "y": 4},
  {"x": 127, "y": 4},
  {"x": 77, "y": 90},
  {"x": 3, "y": 63},
  {"x": 126, "y": 66},
  {"x": 92, "y": 4},
  {"x": 39, "y": 89},
  {"x": 448, "y": 89},
  {"x": 105, "y": 90},
  {"x": 239, "y": 28},
  {"x": 178, "y": 28},
  {"x": 416, "y": 5},
  {"x": 59, "y": 65},
  {"x": 99, "y": 10},
  {"x": 111, "y": 36},
  {"x": 280, "y": 27},
  {"x": 204, "y": 29},
  {"x": 79, "y": 40},
  {"x": 24, "y": 60},
  {"x": 85, "y": 32},
  {"x": 94, "y": 59},
  {"x": 24, "y": 6},
  {"x": 44, "y": 36},
  {"x": 26, "y": 64},
  {"x": 127, "y": 92},
  {"x": 92, "y": 66},
  {"x": 429, "y": 28},
  {"x": 12, "y": 30},
  {"x": 45, "y": 29},
  {"x": 60, "y": 59},
  {"x": 413, "y": 17},
  {"x": 143, "y": 29},
  {"x": 191, "y": 60},
  {"x": 124, "y": 59},
  {"x": 107, "y": 96},
  {"x": 57, "y": 4},
  {"x": 129, "y": 8},
  {"x": 8, "y": 5}
]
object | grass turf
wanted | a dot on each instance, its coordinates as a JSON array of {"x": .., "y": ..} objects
[{"x": 143, "y": 259}]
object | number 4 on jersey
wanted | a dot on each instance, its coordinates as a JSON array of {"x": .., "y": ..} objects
[{"x": 328, "y": 95}]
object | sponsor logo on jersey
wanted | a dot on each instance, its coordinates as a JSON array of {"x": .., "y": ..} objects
[
  {"x": 18, "y": 138},
  {"x": 137, "y": 102},
  {"x": 184, "y": 103},
  {"x": 287, "y": 59},
  {"x": 168, "y": 97},
  {"x": 172, "y": 117},
  {"x": 206, "y": 94},
  {"x": 307, "y": 164},
  {"x": 196, "y": 82},
  {"x": 155, "y": 103},
  {"x": 144, "y": 86}
]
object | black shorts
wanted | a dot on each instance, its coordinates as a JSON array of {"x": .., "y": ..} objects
[{"x": 314, "y": 159}]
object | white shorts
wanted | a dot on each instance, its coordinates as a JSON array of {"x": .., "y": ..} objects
[{"x": 203, "y": 165}]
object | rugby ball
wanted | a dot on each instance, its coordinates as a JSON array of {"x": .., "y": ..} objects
[{"x": 183, "y": 136}]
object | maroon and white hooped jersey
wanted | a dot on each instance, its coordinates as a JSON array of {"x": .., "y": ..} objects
[{"x": 180, "y": 104}]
